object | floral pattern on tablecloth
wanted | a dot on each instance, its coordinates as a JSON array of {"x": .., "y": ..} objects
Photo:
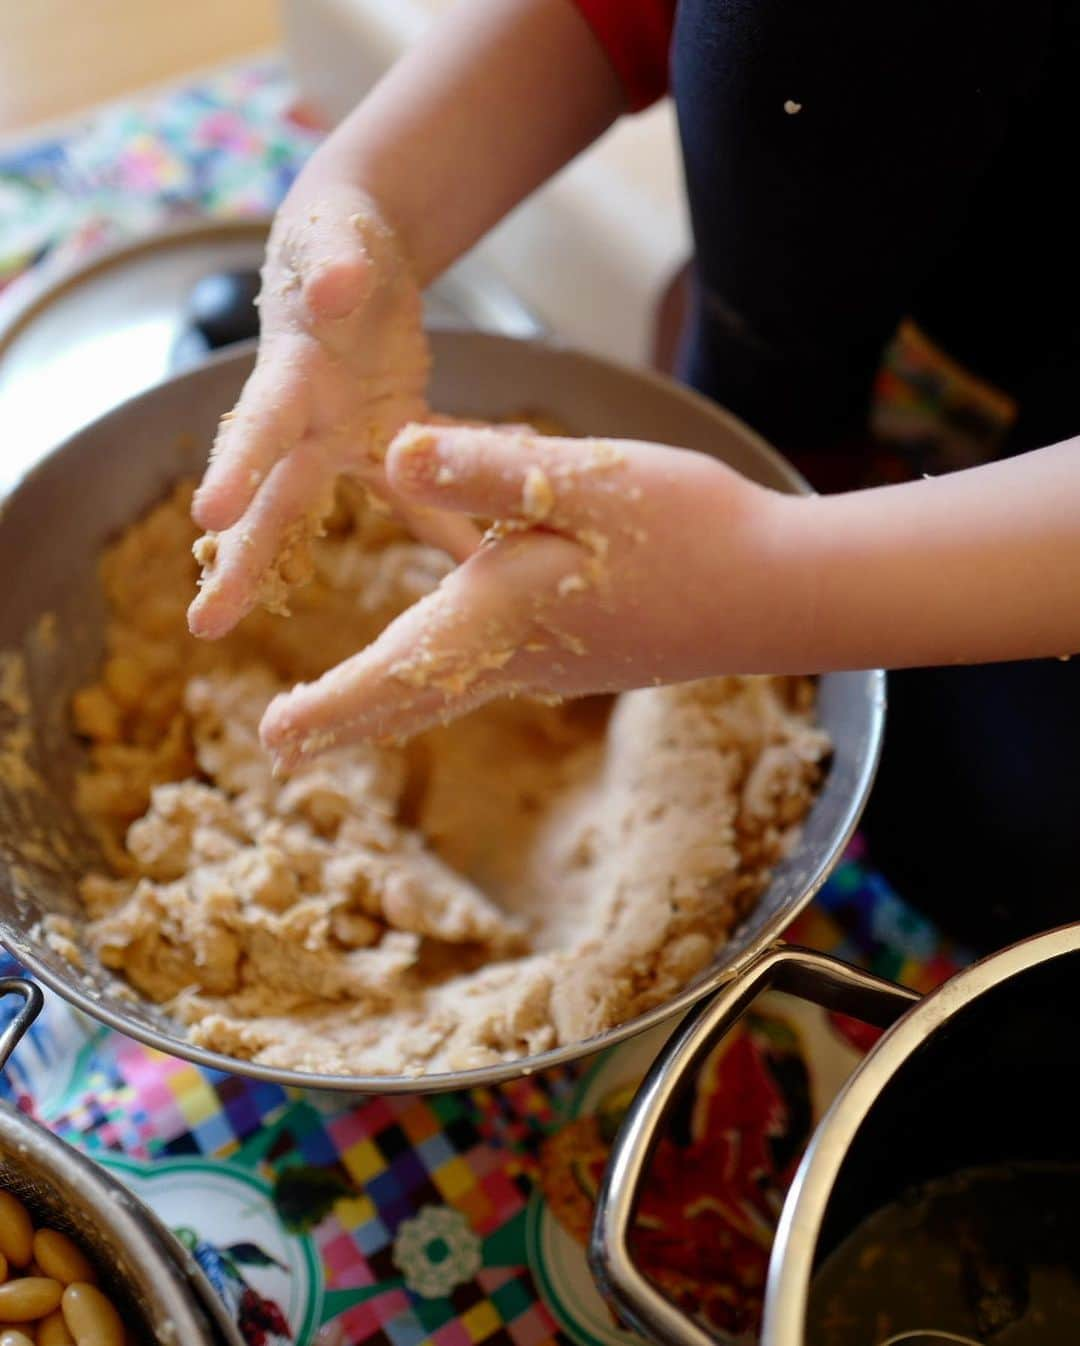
[
  {"x": 460, "y": 1218},
  {"x": 228, "y": 147}
]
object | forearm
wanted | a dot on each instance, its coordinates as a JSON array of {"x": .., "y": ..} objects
[
  {"x": 494, "y": 100},
  {"x": 978, "y": 566}
]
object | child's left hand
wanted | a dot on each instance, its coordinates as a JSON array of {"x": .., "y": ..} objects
[{"x": 342, "y": 364}]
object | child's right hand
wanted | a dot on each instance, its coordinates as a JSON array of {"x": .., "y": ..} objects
[
  {"x": 342, "y": 365},
  {"x": 616, "y": 564}
]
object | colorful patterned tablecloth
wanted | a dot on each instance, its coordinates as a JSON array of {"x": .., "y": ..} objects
[
  {"x": 452, "y": 1220},
  {"x": 461, "y": 1218},
  {"x": 228, "y": 147}
]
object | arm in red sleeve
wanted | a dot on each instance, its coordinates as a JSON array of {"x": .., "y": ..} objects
[{"x": 636, "y": 37}]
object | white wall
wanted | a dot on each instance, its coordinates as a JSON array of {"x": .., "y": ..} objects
[{"x": 590, "y": 253}]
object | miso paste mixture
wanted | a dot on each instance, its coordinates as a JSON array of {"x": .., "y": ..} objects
[{"x": 526, "y": 877}]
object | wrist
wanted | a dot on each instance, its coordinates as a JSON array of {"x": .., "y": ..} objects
[
  {"x": 329, "y": 182},
  {"x": 751, "y": 590},
  {"x": 788, "y": 543}
]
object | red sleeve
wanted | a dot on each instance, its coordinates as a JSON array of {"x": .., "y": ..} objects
[{"x": 636, "y": 37}]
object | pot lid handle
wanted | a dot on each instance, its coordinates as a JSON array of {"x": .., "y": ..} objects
[
  {"x": 929, "y": 1336},
  {"x": 28, "y": 1011}
]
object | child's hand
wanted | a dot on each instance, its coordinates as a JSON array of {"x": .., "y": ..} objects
[
  {"x": 617, "y": 564},
  {"x": 342, "y": 365}
]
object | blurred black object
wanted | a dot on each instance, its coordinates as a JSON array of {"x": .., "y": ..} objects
[
  {"x": 974, "y": 816},
  {"x": 988, "y": 1104},
  {"x": 221, "y": 310}
]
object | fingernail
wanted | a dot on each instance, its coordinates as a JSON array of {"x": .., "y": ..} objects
[
  {"x": 277, "y": 732},
  {"x": 206, "y": 508},
  {"x": 298, "y": 749},
  {"x": 195, "y": 617},
  {"x": 413, "y": 456},
  {"x": 414, "y": 438},
  {"x": 204, "y": 623},
  {"x": 281, "y": 763}
]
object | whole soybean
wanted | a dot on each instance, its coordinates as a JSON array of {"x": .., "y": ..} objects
[
  {"x": 90, "y": 1317},
  {"x": 53, "y": 1331},
  {"x": 32, "y": 1297},
  {"x": 61, "y": 1258},
  {"x": 16, "y": 1231}
]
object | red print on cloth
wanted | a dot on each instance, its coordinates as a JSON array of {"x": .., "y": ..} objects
[{"x": 636, "y": 38}]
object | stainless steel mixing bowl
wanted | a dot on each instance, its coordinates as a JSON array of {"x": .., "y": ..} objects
[{"x": 55, "y": 523}]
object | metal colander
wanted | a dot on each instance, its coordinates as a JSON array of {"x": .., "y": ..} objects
[{"x": 154, "y": 1282}]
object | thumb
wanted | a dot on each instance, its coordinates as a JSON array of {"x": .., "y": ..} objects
[
  {"x": 482, "y": 633},
  {"x": 506, "y": 474}
]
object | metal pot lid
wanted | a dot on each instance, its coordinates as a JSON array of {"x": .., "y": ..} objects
[
  {"x": 75, "y": 343},
  {"x": 794, "y": 1247}
]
